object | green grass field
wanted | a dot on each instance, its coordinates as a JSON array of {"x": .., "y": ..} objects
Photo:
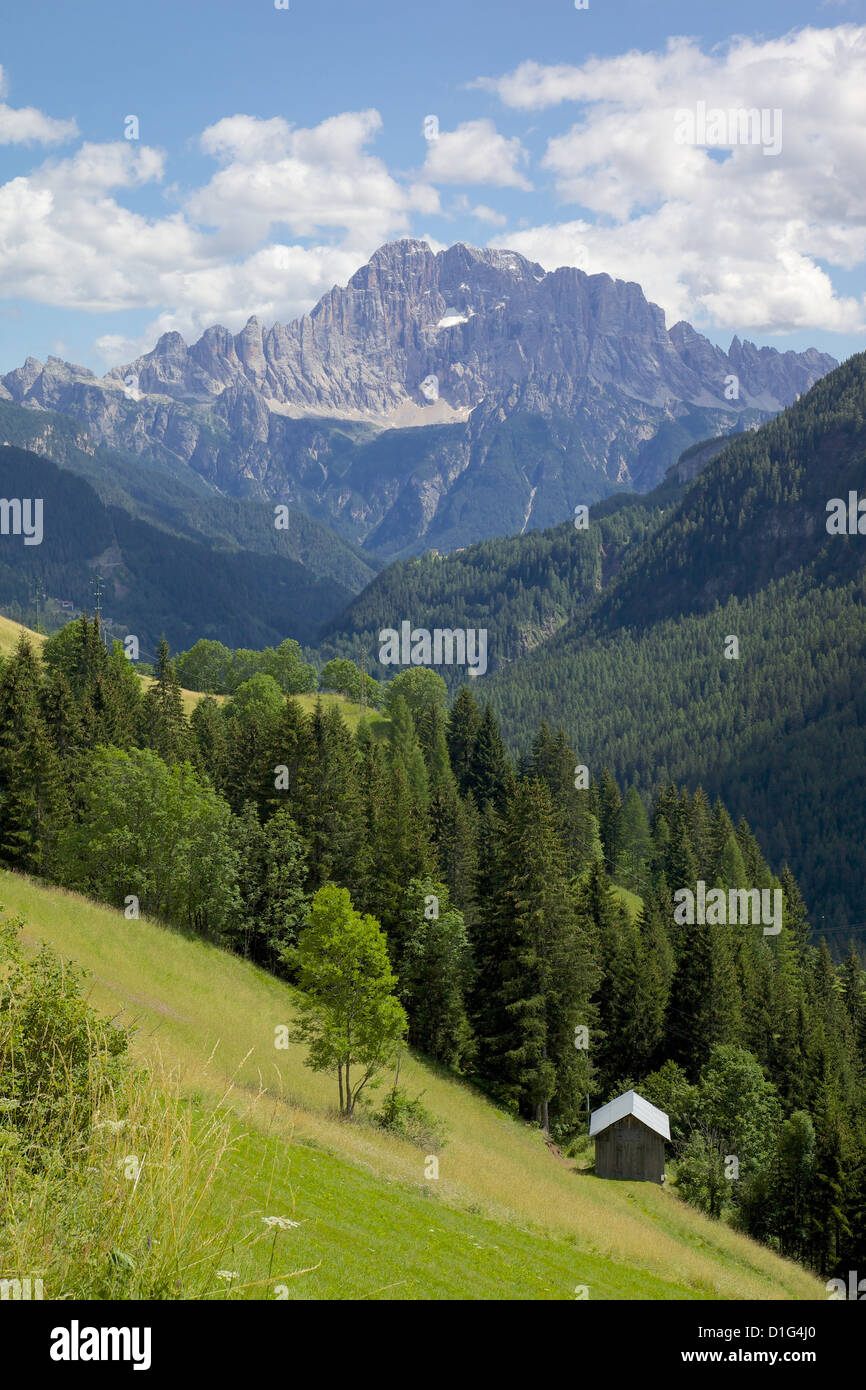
[
  {"x": 11, "y": 632},
  {"x": 505, "y": 1219}
]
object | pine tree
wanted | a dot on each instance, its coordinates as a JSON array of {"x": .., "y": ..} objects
[
  {"x": 285, "y": 903},
  {"x": 62, "y": 722},
  {"x": 210, "y": 733},
  {"x": 854, "y": 995},
  {"x": 334, "y": 825},
  {"x": 610, "y": 819},
  {"x": 32, "y": 793},
  {"x": 406, "y": 749},
  {"x": 829, "y": 1228},
  {"x": 454, "y": 831},
  {"x": 490, "y": 775},
  {"x": 795, "y": 915},
  {"x": 434, "y": 972},
  {"x": 542, "y": 972},
  {"x": 164, "y": 722},
  {"x": 635, "y": 843},
  {"x": 463, "y": 721},
  {"x": 704, "y": 1004}
]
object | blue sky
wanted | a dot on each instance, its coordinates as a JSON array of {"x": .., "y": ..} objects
[{"x": 278, "y": 148}]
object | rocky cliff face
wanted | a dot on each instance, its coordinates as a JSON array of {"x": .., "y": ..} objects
[{"x": 436, "y": 399}]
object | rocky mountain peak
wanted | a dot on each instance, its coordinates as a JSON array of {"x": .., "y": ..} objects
[{"x": 581, "y": 367}]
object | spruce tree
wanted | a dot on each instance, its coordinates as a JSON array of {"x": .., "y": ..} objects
[
  {"x": 463, "y": 721},
  {"x": 406, "y": 749},
  {"x": 490, "y": 775},
  {"x": 541, "y": 973},
  {"x": 164, "y": 723},
  {"x": 33, "y": 796}
]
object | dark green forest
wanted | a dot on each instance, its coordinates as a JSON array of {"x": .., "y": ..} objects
[{"x": 155, "y": 581}]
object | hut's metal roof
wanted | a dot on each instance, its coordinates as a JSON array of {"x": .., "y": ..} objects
[{"x": 630, "y": 1104}]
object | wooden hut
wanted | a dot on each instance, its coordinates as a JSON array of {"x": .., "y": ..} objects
[{"x": 630, "y": 1139}]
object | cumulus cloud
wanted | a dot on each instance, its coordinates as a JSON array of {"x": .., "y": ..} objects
[
  {"x": 475, "y": 153},
  {"x": 728, "y": 237},
  {"x": 486, "y": 214},
  {"x": 723, "y": 235},
  {"x": 24, "y": 125},
  {"x": 308, "y": 180},
  {"x": 67, "y": 239}
]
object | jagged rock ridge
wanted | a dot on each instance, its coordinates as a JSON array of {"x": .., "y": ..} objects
[{"x": 504, "y": 382}]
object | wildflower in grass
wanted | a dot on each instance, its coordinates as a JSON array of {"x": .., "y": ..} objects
[{"x": 283, "y": 1222}]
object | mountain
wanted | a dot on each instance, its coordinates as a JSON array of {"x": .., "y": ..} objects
[
  {"x": 156, "y": 582},
  {"x": 436, "y": 400},
  {"x": 640, "y": 679},
  {"x": 618, "y": 633},
  {"x": 522, "y": 588}
]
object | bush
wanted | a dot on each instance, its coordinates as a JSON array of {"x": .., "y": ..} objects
[
  {"x": 57, "y": 1057},
  {"x": 106, "y": 1176},
  {"x": 411, "y": 1120}
]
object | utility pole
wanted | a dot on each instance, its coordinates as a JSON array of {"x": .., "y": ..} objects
[
  {"x": 362, "y": 667},
  {"x": 38, "y": 592},
  {"x": 96, "y": 586}
]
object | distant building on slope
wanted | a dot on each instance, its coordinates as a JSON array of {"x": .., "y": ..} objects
[{"x": 630, "y": 1139}]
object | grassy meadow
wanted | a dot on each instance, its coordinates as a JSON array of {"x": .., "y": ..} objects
[{"x": 504, "y": 1219}]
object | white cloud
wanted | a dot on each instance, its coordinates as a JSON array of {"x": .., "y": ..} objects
[
  {"x": 25, "y": 125},
  {"x": 66, "y": 238},
  {"x": 475, "y": 153},
  {"x": 730, "y": 238},
  {"x": 308, "y": 180},
  {"x": 737, "y": 242},
  {"x": 486, "y": 214}
]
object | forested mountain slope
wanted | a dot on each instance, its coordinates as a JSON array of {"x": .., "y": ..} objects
[
  {"x": 155, "y": 581},
  {"x": 521, "y": 588},
  {"x": 641, "y": 680}
]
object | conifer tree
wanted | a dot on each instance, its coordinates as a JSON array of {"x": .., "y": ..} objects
[
  {"x": 610, "y": 819},
  {"x": 62, "y": 721},
  {"x": 635, "y": 843},
  {"x": 434, "y": 972},
  {"x": 540, "y": 970},
  {"x": 210, "y": 734},
  {"x": 463, "y": 722},
  {"x": 486, "y": 937},
  {"x": 406, "y": 749},
  {"x": 164, "y": 723},
  {"x": 704, "y": 1004},
  {"x": 32, "y": 792},
  {"x": 334, "y": 824},
  {"x": 490, "y": 776},
  {"x": 454, "y": 832}
]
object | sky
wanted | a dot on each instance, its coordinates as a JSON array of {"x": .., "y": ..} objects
[{"x": 168, "y": 166}]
